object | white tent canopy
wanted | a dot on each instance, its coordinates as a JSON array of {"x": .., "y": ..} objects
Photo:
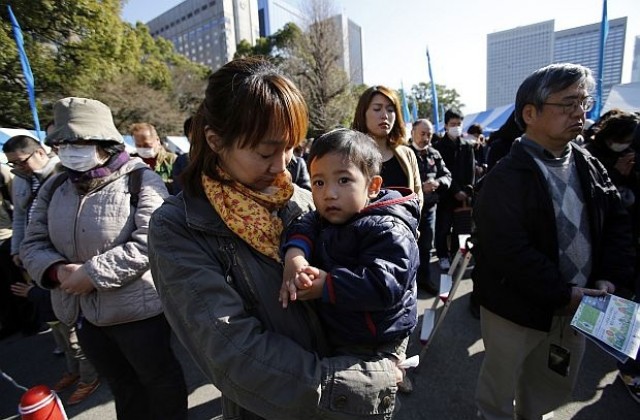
[
  {"x": 625, "y": 97},
  {"x": 490, "y": 120}
]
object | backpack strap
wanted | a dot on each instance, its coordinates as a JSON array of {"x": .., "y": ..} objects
[
  {"x": 135, "y": 184},
  {"x": 57, "y": 181}
]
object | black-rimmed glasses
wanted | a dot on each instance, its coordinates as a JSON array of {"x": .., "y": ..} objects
[
  {"x": 20, "y": 162},
  {"x": 570, "y": 107}
]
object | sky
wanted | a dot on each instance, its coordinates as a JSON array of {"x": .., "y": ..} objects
[{"x": 396, "y": 34}]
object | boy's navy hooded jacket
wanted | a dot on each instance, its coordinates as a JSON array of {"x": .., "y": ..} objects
[{"x": 369, "y": 295}]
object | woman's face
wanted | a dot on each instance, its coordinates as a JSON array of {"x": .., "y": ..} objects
[
  {"x": 256, "y": 167},
  {"x": 380, "y": 116}
]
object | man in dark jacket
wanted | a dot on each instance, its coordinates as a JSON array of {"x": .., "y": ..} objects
[
  {"x": 550, "y": 229},
  {"x": 435, "y": 178},
  {"x": 459, "y": 157}
]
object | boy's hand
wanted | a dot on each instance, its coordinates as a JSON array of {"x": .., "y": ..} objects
[
  {"x": 294, "y": 262},
  {"x": 317, "y": 284}
]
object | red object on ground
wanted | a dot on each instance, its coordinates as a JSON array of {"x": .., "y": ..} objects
[{"x": 41, "y": 403}]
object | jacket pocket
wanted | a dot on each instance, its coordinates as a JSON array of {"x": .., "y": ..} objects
[{"x": 350, "y": 392}]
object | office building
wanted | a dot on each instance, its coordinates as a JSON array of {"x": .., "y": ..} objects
[
  {"x": 207, "y": 31},
  {"x": 515, "y": 53},
  {"x": 512, "y": 55},
  {"x": 635, "y": 70},
  {"x": 274, "y": 14},
  {"x": 582, "y": 46},
  {"x": 350, "y": 48}
]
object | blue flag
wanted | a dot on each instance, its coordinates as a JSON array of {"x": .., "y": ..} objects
[
  {"x": 405, "y": 107},
  {"x": 414, "y": 110},
  {"x": 604, "y": 32},
  {"x": 434, "y": 97},
  {"x": 26, "y": 70}
]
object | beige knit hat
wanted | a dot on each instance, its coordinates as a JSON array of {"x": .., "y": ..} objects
[{"x": 82, "y": 119}]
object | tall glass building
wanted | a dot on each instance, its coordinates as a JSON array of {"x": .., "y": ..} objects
[
  {"x": 635, "y": 70},
  {"x": 512, "y": 55},
  {"x": 582, "y": 46},
  {"x": 207, "y": 31},
  {"x": 515, "y": 53},
  {"x": 274, "y": 14}
]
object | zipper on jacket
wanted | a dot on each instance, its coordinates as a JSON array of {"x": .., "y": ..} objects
[
  {"x": 75, "y": 225},
  {"x": 243, "y": 284}
]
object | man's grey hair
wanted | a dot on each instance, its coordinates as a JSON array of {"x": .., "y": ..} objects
[
  {"x": 536, "y": 89},
  {"x": 421, "y": 121}
]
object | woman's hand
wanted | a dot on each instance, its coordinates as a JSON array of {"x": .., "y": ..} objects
[
  {"x": 74, "y": 279},
  {"x": 625, "y": 163},
  {"x": 21, "y": 289}
]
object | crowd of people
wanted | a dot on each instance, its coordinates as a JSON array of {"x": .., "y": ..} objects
[{"x": 289, "y": 268}]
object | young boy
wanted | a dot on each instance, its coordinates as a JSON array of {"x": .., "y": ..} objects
[{"x": 357, "y": 252}]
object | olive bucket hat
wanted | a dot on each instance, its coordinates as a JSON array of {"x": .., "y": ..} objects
[{"x": 82, "y": 119}]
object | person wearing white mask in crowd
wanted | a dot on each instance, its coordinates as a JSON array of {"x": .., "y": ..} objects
[
  {"x": 87, "y": 242},
  {"x": 459, "y": 157},
  {"x": 611, "y": 145},
  {"x": 153, "y": 153}
]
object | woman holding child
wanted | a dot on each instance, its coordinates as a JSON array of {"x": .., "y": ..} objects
[{"x": 215, "y": 258}]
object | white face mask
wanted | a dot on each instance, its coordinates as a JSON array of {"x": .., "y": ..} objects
[
  {"x": 454, "y": 132},
  {"x": 619, "y": 147},
  {"x": 146, "y": 152},
  {"x": 79, "y": 158},
  {"x": 415, "y": 146}
]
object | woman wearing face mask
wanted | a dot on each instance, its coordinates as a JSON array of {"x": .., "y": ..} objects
[
  {"x": 87, "y": 242},
  {"x": 377, "y": 115},
  {"x": 612, "y": 146}
]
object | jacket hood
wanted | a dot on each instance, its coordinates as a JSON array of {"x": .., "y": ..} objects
[{"x": 401, "y": 203}]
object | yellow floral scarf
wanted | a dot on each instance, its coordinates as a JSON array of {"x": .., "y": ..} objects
[{"x": 251, "y": 214}]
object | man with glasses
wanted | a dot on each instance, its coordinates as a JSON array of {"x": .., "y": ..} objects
[
  {"x": 32, "y": 166},
  {"x": 550, "y": 229}
]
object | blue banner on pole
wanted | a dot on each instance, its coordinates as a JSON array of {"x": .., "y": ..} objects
[
  {"x": 604, "y": 33},
  {"x": 414, "y": 110},
  {"x": 26, "y": 70},
  {"x": 405, "y": 107},
  {"x": 434, "y": 97}
]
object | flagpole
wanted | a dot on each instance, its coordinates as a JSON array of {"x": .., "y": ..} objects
[
  {"x": 405, "y": 106},
  {"x": 26, "y": 70},
  {"x": 414, "y": 110},
  {"x": 434, "y": 96},
  {"x": 604, "y": 32}
]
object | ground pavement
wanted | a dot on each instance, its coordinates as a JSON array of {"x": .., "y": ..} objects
[{"x": 444, "y": 385}]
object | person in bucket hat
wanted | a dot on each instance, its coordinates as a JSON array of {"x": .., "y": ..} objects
[{"x": 88, "y": 244}]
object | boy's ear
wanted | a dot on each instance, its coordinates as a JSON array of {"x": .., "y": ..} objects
[{"x": 374, "y": 186}]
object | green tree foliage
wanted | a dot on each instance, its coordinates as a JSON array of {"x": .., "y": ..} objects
[
  {"x": 311, "y": 58},
  {"x": 276, "y": 47},
  {"x": 447, "y": 98},
  {"x": 83, "y": 48}
]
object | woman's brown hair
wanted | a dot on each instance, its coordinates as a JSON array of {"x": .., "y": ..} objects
[
  {"x": 397, "y": 134},
  {"x": 245, "y": 100}
]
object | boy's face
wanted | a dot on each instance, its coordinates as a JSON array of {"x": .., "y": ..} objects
[{"x": 340, "y": 190}]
